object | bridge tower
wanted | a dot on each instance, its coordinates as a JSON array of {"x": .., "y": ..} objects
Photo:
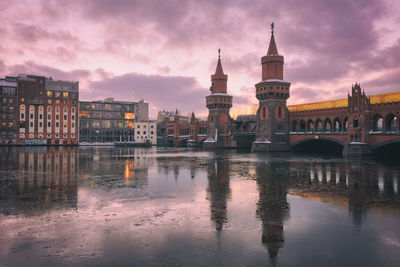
[
  {"x": 219, "y": 122},
  {"x": 272, "y": 127},
  {"x": 358, "y": 126}
]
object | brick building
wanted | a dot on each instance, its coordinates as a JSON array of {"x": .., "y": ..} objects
[{"x": 47, "y": 111}]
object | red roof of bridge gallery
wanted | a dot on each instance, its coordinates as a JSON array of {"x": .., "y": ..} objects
[{"x": 342, "y": 103}]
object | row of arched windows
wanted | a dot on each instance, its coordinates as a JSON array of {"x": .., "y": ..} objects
[
  {"x": 378, "y": 124},
  {"x": 319, "y": 126}
]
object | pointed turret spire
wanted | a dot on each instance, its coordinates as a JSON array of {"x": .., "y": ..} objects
[
  {"x": 272, "y": 50},
  {"x": 219, "y": 70}
]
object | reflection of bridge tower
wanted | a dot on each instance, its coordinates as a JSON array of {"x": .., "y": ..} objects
[
  {"x": 273, "y": 208},
  {"x": 219, "y": 122},
  {"x": 272, "y": 128},
  {"x": 218, "y": 191}
]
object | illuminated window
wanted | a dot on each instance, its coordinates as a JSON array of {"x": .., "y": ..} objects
[
  {"x": 31, "y": 108},
  {"x": 41, "y": 108},
  {"x": 129, "y": 116},
  {"x": 49, "y": 101},
  {"x": 65, "y": 94},
  {"x": 49, "y": 93},
  {"x": 84, "y": 114},
  {"x": 57, "y": 94},
  {"x": 3, "y": 124}
]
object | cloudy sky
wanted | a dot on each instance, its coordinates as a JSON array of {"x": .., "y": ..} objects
[{"x": 165, "y": 51}]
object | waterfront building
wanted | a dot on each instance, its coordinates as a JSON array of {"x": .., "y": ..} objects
[
  {"x": 178, "y": 130},
  {"x": 218, "y": 104},
  {"x": 47, "y": 111},
  {"x": 110, "y": 120},
  {"x": 146, "y": 131},
  {"x": 8, "y": 110}
]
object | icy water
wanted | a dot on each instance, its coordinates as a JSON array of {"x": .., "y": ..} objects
[{"x": 104, "y": 206}]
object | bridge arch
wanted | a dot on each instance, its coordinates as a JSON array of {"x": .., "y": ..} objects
[
  {"x": 337, "y": 126},
  {"x": 377, "y": 123},
  {"x": 327, "y": 125},
  {"x": 388, "y": 149},
  {"x": 294, "y": 126},
  {"x": 310, "y": 126},
  {"x": 391, "y": 122},
  {"x": 322, "y": 144},
  {"x": 302, "y": 126},
  {"x": 345, "y": 124},
  {"x": 318, "y": 125}
]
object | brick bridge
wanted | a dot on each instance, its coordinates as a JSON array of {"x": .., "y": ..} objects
[{"x": 360, "y": 124}]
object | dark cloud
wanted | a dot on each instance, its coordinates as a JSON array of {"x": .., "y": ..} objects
[
  {"x": 33, "y": 33},
  {"x": 163, "y": 92},
  {"x": 30, "y": 67}
]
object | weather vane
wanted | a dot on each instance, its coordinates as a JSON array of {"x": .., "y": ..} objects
[
  {"x": 219, "y": 53},
  {"x": 272, "y": 27}
]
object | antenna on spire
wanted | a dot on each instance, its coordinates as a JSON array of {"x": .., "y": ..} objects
[
  {"x": 219, "y": 53},
  {"x": 272, "y": 28}
]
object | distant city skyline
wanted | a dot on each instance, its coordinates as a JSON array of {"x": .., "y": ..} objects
[{"x": 165, "y": 51}]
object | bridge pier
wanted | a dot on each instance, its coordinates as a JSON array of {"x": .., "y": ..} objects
[
  {"x": 263, "y": 145},
  {"x": 356, "y": 150}
]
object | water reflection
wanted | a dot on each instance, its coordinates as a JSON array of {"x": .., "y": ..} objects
[
  {"x": 218, "y": 191},
  {"x": 272, "y": 206},
  {"x": 144, "y": 198},
  {"x": 359, "y": 186},
  {"x": 37, "y": 179}
]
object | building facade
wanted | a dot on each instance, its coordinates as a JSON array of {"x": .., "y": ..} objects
[
  {"x": 109, "y": 120},
  {"x": 181, "y": 130},
  {"x": 47, "y": 111},
  {"x": 8, "y": 111},
  {"x": 146, "y": 131},
  {"x": 219, "y": 121}
]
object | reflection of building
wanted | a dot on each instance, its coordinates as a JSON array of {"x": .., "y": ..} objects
[
  {"x": 355, "y": 186},
  {"x": 8, "y": 110},
  {"x": 272, "y": 206},
  {"x": 47, "y": 111},
  {"x": 47, "y": 180},
  {"x": 218, "y": 191},
  {"x": 146, "y": 131},
  {"x": 109, "y": 120}
]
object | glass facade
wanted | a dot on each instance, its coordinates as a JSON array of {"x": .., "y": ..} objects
[{"x": 107, "y": 121}]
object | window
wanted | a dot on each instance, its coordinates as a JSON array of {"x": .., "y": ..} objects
[
  {"x": 31, "y": 116},
  {"x": 49, "y": 124},
  {"x": 57, "y": 124},
  {"x": 57, "y": 117},
  {"x": 138, "y": 132},
  {"x": 40, "y": 124},
  {"x": 22, "y": 116},
  {"x": 152, "y": 126},
  {"x": 49, "y": 93},
  {"x": 31, "y": 124},
  {"x": 65, "y": 94},
  {"x": 144, "y": 132},
  {"x": 65, "y": 117},
  {"x": 57, "y": 94},
  {"x": 49, "y": 101},
  {"x": 40, "y": 116},
  {"x": 280, "y": 112},
  {"x": 263, "y": 112},
  {"x": 355, "y": 123}
]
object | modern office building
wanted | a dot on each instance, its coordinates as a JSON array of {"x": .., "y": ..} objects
[
  {"x": 47, "y": 111},
  {"x": 110, "y": 120},
  {"x": 146, "y": 131},
  {"x": 8, "y": 110}
]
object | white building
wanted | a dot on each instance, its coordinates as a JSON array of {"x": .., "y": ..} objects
[{"x": 146, "y": 131}]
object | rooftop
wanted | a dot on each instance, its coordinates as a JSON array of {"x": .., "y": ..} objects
[{"x": 342, "y": 103}]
